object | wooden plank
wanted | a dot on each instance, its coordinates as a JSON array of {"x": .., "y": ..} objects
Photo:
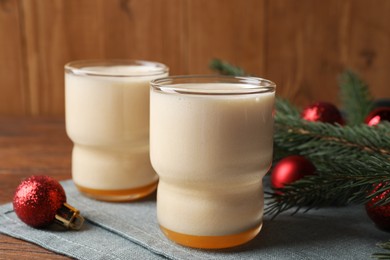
[
  {"x": 145, "y": 29},
  {"x": 311, "y": 42},
  {"x": 59, "y": 31},
  {"x": 15, "y": 249},
  {"x": 30, "y": 146},
  {"x": 302, "y": 46},
  {"x": 227, "y": 29},
  {"x": 44, "y": 52},
  {"x": 302, "y": 49},
  {"x": 12, "y": 94},
  {"x": 367, "y": 33}
]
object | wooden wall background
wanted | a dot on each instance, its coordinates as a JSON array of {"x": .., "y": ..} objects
[{"x": 302, "y": 45}]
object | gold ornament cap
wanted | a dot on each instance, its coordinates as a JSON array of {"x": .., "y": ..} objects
[{"x": 69, "y": 217}]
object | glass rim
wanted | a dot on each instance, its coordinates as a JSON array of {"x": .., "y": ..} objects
[
  {"x": 85, "y": 67},
  {"x": 177, "y": 84}
]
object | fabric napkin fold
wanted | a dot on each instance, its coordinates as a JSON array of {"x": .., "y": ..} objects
[{"x": 131, "y": 231}]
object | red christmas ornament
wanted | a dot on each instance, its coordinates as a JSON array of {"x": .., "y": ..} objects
[
  {"x": 290, "y": 169},
  {"x": 41, "y": 200},
  {"x": 377, "y": 115},
  {"x": 379, "y": 214},
  {"x": 323, "y": 112}
]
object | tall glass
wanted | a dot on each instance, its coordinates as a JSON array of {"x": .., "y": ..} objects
[
  {"x": 211, "y": 140},
  {"x": 107, "y": 118}
]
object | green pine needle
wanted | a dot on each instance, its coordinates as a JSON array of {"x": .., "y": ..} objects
[
  {"x": 349, "y": 161},
  {"x": 284, "y": 107},
  {"x": 316, "y": 139},
  {"x": 225, "y": 68},
  {"x": 355, "y": 97}
]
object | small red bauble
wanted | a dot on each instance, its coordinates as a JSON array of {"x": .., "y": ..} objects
[
  {"x": 380, "y": 215},
  {"x": 40, "y": 200},
  {"x": 290, "y": 169},
  {"x": 323, "y": 112},
  {"x": 377, "y": 115}
]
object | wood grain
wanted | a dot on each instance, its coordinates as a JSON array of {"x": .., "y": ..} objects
[
  {"x": 369, "y": 42},
  {"x": 15, "y": 249},
  {"x": 13, "y": 97},
  {"x": 61, "y": 31},
  {"x": 301, "y": 45},
  {"x": 226, "y": 29},
  {"x": 311, "y": 42},
  {"x": 30, "y": 146}
]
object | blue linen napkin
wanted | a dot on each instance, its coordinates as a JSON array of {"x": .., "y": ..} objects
[{"x": 130, "y": 231}]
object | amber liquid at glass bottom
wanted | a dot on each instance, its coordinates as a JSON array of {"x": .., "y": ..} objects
[
  {"x": 212, "y": 242},
  {"x": 118, "y": 195}
]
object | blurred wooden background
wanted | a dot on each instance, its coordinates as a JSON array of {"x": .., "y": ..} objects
[{"x": 302, "y": 45}]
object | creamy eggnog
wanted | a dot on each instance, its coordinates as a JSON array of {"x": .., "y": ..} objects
[
  {"x": 211, "y": 142},
  {"x": 107, "y": 118}
]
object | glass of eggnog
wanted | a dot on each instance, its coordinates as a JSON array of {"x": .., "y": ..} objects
[
  {"x": 107, "y": 118},
  {"x": 211, "y": 143}
]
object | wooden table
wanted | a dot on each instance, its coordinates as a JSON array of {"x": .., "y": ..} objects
[{"x": 30, "y": 146}]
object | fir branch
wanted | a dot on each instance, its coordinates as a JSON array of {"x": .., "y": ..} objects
[
  {"x": 350, "y": 162},
  {"x": 317, "y": 139},
  {"x": 226, "y": 68},
  {"x": 355, "y": 97},
  {"x": 284, "y": 107},
  {"x": 385, "y": 245},
  {"x": 317, "y": 191}
]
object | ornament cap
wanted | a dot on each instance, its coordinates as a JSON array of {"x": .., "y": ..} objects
[{"x": 69, "y": 217}]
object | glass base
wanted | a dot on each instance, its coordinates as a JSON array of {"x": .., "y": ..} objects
[
  {"x": 212, "y": 242},
  {"x": 118, "y": 195}
]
